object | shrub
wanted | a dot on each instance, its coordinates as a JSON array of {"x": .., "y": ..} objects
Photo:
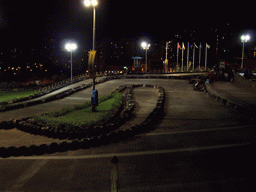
[{"x": 81, "y": 115}]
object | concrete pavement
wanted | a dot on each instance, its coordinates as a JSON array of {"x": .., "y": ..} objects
[
  {"x": 235, "y": 95},
  {"x": 197, "y": 146}
]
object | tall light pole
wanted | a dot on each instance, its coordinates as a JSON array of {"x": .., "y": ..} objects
[
  {"x": 94, "y": 97},
  {"x": 146, "y": 46},
  {"x": 93, "y": 3},
  {"x": 70, "y": 47},
  {"x": 244, "y": 39},
  {"x": 166, "y": 56}
]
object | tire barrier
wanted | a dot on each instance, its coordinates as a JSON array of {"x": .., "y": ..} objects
[
  {"x": 10, "y": 124},
  {"x": 4, "y": 106},
  {"x": 242, "y": 107},
  {"x": 47, "y": 90},
  {"x": 93, "y": 136}
]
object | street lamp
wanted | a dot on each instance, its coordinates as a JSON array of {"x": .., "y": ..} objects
[
  {"x": 145, "y": 46},
  {"x": 244, "y": 39},
  {"x": 93, "y": 3},
  {"x": 70, "y": 47},
  {"x": 166, "y": 56},
  {"x": 94, "y": 97}
]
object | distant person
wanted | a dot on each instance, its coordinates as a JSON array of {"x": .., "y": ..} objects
[
  {"x": 246, "y": 74},
  {"x": 231, "y": 76},
  {"x": 226, "y": 76}
]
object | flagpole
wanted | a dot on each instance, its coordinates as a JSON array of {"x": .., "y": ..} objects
[
  {"x": 182, "y": 56},
  {"x": 205, "y": 56},
  {"x": 177, "y": 56},
  {"x": 187, "y": 56},
  {"x": 199, "y": 55},
  {"x": 194, "y": 48}
]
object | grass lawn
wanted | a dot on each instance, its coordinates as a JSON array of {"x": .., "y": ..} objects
[
  {"x": 83, "y": 116},
  {"x": 7, "y": 96}
]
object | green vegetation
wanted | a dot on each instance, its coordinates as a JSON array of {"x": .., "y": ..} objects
[
  {"x": 82, "y": 115},
  {"x": 15, "y": 94}
]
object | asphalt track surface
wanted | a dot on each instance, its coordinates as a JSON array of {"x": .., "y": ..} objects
[{"x": 199, "y": 145}]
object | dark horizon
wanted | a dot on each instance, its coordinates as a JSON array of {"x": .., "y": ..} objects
[{"x": 28, "y": 23}]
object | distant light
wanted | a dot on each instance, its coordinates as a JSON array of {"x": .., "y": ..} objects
[
  {"x": 89, "y": 3},
  {"x": 71, "y": 46},
  {"x": 94, "y": 2},
  {"x": 245, "y": 38},
  {"x": 144, "y": 45}
]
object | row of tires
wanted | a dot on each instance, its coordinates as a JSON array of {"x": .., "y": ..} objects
[
  {"x": 76, "y": 132},
  {"x": 247, "y": 110},
  {"x": 8, "y": 124},
  {"x": 52, "y": 98},
  {"x": 94, "y": 137},
  {"x": 42, "y": 93}
]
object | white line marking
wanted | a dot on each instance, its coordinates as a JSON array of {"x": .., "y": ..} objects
[
  {"x": 113, "y": 179},
  {"x": 29, "y": 173},
  {"x": 201, "y": 130},
  {"x": 127, "y": 154}
]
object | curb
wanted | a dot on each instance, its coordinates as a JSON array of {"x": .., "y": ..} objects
[{"x": 238, "y": 105}]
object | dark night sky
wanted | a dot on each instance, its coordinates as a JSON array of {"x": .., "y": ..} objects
[{"x": 29, "y": 22}]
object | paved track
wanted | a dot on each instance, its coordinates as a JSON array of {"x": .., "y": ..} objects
[{"x": 200, "y": 145}]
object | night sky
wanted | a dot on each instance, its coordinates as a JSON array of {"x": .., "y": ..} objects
[{"x": 31, "y": 23}]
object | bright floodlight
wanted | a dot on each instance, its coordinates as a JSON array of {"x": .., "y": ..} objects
[
  {"x": 71, "y": 46},
  {"x": 88, "y": 3},
  {"x": 245, "y": 38},
  {"x": 144, "y": 45}
]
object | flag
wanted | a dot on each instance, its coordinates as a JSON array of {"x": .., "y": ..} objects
[
  {"x": 183, "y": 46},
  {"x": 179, "y": 46},
  {"x": 201, "y": 45},
  {"x": 207, "y": 46},
  {"x": 190, "y": 46},
  {"x": 195, "y": 46}
]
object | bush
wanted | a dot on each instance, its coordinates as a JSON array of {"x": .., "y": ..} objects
[{"x": 81, "y": 115}]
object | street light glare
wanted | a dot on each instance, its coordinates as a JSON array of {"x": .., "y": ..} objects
[
  {"x": 71, "y": 46},
  {"x": 94, "y": 2},
  {"x": 143, "y": 45},
  {"x": 245, "y": 37},
  {"x": 89, "y": 3}
]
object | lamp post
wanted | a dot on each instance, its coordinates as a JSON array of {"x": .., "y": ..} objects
[
  {"x": 94, "y": 97},
  {"x": 166, "y": 56},
  {"x": 93, "y": 3},
  {"x": 146, "y": 46},
  {"x": 70, "y": 47},
  {"x": 244, "y": 39}
]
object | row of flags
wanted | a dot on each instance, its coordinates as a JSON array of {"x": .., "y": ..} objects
[{"x": 191, "y": 46}]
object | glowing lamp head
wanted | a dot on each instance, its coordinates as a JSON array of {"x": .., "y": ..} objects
[
  {"x": 144, "y": 45},
  {"x": 89, "y": 3},
  {"x": 245, "y": 38},
  {"x": 71, "y": 46}
]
